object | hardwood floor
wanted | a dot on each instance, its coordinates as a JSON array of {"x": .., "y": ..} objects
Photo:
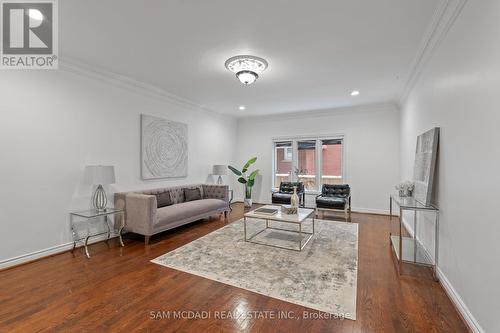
[{"x": 118, "y": 289}]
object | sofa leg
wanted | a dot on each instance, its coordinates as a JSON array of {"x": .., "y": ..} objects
[
  {"x": 146, "y": 240},
  {"x": 225, "y": 214}
]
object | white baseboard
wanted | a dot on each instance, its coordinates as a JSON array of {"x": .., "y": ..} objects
[
  {"x": 45, "y": 253},
  {"x": 370, "y": 210},
  {"x": 459, "y": 303}
]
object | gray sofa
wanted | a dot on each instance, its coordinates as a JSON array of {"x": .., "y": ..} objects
[{"x": 142, "y": 215}]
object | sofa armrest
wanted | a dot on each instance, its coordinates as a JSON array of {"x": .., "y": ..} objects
[
  {"x": 141, "y": 213},
  {"x": 216, "y": 192}
]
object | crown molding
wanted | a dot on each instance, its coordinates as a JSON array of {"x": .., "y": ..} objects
[
  {"x": 444, "y": 18},
  {"x": 80, "y": 68},
  {"x": 323, "y": 112}
]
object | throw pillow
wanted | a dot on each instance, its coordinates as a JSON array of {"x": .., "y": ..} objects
[
  {"x": 191, "y": 194},
  {"x": 163, "y": 199}
]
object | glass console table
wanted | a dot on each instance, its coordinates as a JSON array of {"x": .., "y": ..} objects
[
  {"x": 408, "y": 248},
  {"x": 90, "y": 225}
]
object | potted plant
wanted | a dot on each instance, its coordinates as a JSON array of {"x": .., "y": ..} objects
[{"x": 249, "y": 181}]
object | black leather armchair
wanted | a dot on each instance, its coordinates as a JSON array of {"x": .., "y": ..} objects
[
  {"x": 284, "y": 195},
  {"x": 335, "y": 197}
]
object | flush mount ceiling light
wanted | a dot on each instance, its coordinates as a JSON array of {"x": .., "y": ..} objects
[
  {"x": 242, "y": 107},
  {"x": 354, "y": 93},
  {"x": 246, "y": 67}
]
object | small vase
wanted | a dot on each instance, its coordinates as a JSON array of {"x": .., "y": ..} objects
[{"x": 294, "y": 200}]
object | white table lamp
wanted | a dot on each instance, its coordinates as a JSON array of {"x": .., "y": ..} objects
[{"x": 219, "y": 170}]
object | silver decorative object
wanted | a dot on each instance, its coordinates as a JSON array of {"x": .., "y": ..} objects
[
  {"x": 99, "y": 199},
  {"x": 294, "y": 200},
  {"x": 164, "y": 148},
  {"x": 99, "y": 175},
  {"x": 288, "y": 209}
]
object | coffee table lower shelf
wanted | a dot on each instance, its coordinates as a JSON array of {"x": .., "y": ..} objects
[{"x": 301, "y": 242}]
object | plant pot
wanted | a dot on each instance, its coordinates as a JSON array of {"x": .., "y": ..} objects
[{"x": 247, "y": 203}]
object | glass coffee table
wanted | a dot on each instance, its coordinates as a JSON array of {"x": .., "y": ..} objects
[{"x": 298, "y": 220}]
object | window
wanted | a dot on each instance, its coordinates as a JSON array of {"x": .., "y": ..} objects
[
  {"x": 288, "y": 154},
  {"x": 331, "y": 161},
  {"x": 282, "y": 162},
  {"x": 312, "y": 161},
  {"x": 306, "y": 168}
]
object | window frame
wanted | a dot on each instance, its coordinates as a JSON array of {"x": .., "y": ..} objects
[{"x": 318, "y": 157}]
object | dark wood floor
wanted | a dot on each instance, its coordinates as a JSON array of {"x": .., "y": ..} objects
[{"x": 118, "y": 288}]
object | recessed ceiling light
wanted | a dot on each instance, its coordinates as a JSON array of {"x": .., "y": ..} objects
[
  {"x": 246, "y": 67},
  {"x": 35, "y": 14},
  {"x": 242, "y": 107},
  {"x": 354, "y": 93}
]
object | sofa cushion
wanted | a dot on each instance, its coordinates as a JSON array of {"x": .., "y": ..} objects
[
  {"x": 163, "y": 199},
  {"x": 186, "y": 210},
  {"x": 192, "y": 194}
]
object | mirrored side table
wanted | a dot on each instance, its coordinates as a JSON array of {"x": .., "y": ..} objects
[
  {"x": 92, "y": 223},
  {"x": 406, "y": 245}
]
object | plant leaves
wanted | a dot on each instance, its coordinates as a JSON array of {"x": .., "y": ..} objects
[
  {"x": 242, "y": 180},
  {"x": 251, "y": 182},
  {"x": 234, "y": 170},
  {"x": 253, "y": 174},
  {"x": 250, "y": 162}
]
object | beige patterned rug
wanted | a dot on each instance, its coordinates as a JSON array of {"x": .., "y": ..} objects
[{"x": 322, "y": 277}]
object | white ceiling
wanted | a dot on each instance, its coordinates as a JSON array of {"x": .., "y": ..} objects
[{"x": 318, "y": 50}]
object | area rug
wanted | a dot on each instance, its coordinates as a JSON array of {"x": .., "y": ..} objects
[{"x": 322, "y": 277}]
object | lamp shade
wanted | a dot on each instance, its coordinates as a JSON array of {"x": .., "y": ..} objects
[
  {"x": 99, "y": 174},
  {"x": 219, "y": 170}
]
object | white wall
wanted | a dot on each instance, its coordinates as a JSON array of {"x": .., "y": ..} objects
[
  {"x": 459, "y": 91},
  {"x": 53, "y": 123},
  {"x": 371, "y": 148}
]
